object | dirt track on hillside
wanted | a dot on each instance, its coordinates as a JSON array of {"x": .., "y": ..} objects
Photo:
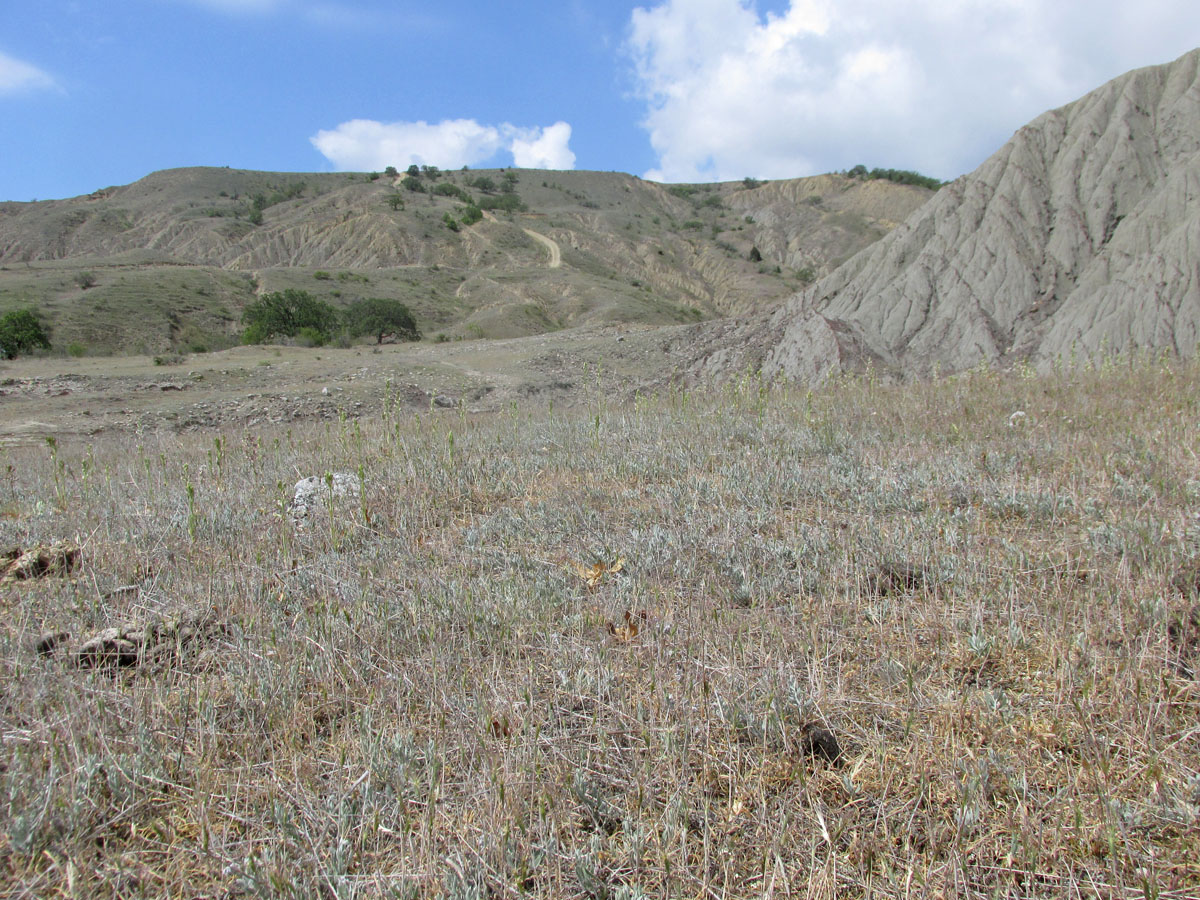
[{"x": 549, "y": 244}]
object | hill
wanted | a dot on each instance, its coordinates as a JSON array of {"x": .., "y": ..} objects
[
  {"x": 1077, "y": 237},
  {"x": 169, "y": 262}
]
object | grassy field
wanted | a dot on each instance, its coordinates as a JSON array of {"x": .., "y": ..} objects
[{"x": 980, "y": 587}]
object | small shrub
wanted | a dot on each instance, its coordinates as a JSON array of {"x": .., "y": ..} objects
[
  {"x": 446, "y": 189},
  {"x": 321, "y": 275},
  {"x": 683, "y": 191},
  {"x": 504, "y": 203},
  {"x": 309, "y": 336}
]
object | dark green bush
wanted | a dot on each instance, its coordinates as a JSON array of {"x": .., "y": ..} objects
[
  {"x": 446, "y": 189},
  {"x": 20, "y": 332},
  {"x": 504, "y": 202}
]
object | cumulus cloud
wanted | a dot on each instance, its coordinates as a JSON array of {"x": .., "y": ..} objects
[
  {"x": 544, "y": 148},
  {"x": 17, "y": 76},
  {"x": 368, "y": 145},
  {"x": 932, "y": 85}
]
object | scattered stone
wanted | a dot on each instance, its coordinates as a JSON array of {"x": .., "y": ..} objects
[
  {"x": 111, "y": 647},
  {"x": 49, "y": 641},
  {"x": 817, "y": 740},
  {"x": 313, "y": 492},
  {"x": 893, "y": 579},
  {"x": 134, "y": 645},
  {"x": 22, "y": 565}
]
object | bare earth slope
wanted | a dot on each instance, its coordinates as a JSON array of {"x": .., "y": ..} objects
[{"x": 1079, "y": 236}]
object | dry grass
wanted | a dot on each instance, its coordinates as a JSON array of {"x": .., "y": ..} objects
[{"x": 420, "y": 694}]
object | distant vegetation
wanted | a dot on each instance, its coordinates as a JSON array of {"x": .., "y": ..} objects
[
  {"x": 897, "y": 176},
  {"x": 298, "y": 314}
]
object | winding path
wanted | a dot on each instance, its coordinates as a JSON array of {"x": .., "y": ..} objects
[{"x": 549, "y": 244}]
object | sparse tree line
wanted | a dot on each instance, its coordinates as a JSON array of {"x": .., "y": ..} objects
[
  {"x": 501, "y": 196},
  {"x": 897, "y": 176},
  {"x": 298, "y": 314},
  {"x": 252, "y": 210}
]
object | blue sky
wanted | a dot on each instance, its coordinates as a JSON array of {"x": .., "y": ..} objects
[{"x": 101, "y": 92}]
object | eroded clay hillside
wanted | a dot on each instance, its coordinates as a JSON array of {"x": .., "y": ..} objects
[
  {"x": 170, "y": 261},
  {"x": 1079, "y": 236}
]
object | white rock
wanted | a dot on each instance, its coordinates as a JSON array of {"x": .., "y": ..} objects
[{"x": 315, "y": 491}]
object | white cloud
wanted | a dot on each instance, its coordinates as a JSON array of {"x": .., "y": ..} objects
[
  {"x": 16, "y": 76},
  {"x": 544, "y": 148},
  {"x": 368, "y": 145},
  {"x": 932, "y": 85}
]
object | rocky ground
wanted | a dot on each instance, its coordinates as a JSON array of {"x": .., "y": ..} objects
[{"x": 250, "y": 386}]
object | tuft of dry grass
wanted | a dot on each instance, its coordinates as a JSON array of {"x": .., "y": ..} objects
[{"x": 422, "y": 692}]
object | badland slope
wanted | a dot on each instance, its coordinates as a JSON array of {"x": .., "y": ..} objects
[{"x": 1078, "y": 237}]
